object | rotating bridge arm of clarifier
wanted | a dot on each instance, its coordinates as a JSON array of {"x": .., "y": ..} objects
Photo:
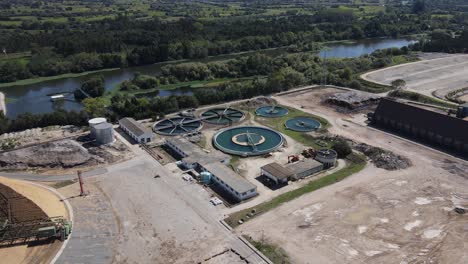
[
  {"x": 250, "y": 141},
  {"x": 272, "y": 109}
]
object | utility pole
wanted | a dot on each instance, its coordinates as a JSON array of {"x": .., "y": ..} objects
[{"x": 80, "y": 180}]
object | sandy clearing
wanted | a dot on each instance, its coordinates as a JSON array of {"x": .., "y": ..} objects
[
  {"x": 46, "y": 200},
  {"x": 382, "y": 201},
  {"x": 438, "y": 76},
  {"x": 464, "y": 98}
]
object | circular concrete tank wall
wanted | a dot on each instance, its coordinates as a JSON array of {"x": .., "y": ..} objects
[
  {"x": 327, "y": 157},
  {"x": 271, "y": 111},
  {"x": 177, "y": 126},
  {"x": 104, "y": 133},
  {"x": 302, "y": 124},
  {"x": 247, "y": 140},
  {"x": 222, "y": 116},
  {"x": 93, "y": 123}
]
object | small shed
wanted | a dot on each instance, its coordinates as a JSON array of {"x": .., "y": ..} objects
[
  {"x": 136, "y": 130},
  {"x": 304, "y": 168},
  {"x": 277, "y": 173}
]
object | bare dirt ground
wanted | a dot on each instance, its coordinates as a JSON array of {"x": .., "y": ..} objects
[
  {"x": 51, "y": 205},
  {"x": 464, "y": 98},
  {"x": 38, "y": 135},
  {"x": 159, "y": 220},
  {"x": 63, "y": 156},
  {"x": 438, "y": 75},
  {"x": 375, "y": 216}
]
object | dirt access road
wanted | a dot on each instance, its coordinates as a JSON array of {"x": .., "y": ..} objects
[
  {"x": 439, "y": 75},
  {"x": 374, "y": 216}
]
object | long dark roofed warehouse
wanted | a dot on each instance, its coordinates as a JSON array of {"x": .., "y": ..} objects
[{"x": 433, "y": 127}]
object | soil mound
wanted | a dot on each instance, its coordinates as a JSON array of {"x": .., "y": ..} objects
[{"x": 63, "y": 153}]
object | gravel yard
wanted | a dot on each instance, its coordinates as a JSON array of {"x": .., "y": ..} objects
[
  {"x": 439, "y": 75},
  {"x": 378, "y": 216}
]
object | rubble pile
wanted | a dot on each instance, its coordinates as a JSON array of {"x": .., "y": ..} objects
[{"x": 382, "y": 158}]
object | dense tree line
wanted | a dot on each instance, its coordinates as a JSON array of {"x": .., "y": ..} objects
[
  {"x": 28, "y": 120},
  {"x": 47, "y": 63},
  {"x": 286, "y": 70},
  {"x": 125, "y": 41},
  {"x": 444, "y": 41},
  {"x": 93, "y": 87},
  {"x": 283, "y": 72}
]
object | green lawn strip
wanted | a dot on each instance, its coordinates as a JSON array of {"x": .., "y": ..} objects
[
  {"x": 234, "y": 162},
  {"x": 274, "y": 253},
  {"x": 301, "y": 137},
  {"x": 413, "y": 96},
  {"x": 246, "y": 214},
  {"x": 372, "y": 87},
  {"x": 9, "y": 100},
  {"x": 50, "y": 78}
]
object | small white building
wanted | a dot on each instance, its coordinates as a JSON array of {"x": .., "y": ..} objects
[
  {"x": 136, "y": 130},
  {"x": 231, "y": 182}
]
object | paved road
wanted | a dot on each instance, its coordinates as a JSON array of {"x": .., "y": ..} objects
[
  {"x": 94, "y": 230},
  {"x": 51, "y": 178}
]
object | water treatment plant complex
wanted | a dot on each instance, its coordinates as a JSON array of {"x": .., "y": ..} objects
[{"x": 207, "y": 185}]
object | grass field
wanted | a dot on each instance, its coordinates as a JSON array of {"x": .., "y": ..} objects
[
  {"x": 274, "y": 253},
  {"x": 413, "y": 96},
  {"x": 352, "y": 167},
  {"x": 303, "y": 138}
]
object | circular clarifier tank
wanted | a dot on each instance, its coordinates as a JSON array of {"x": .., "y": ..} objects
[
  {"x": 271, "y": 111},
  {"x": 177, "y": 126},
  {"x": 222, "y": 116},
  {"x": 247, "y": 140},
  {"x": 302, "y": 124}
]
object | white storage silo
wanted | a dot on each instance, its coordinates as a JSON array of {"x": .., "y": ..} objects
[
  {"x": 93, "y": 123},
  {"x": 104, "y": 133}
]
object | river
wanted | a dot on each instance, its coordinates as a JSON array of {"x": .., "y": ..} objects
[
  {"x": 361, "y": 47},
  {"x": 35, "y": 98}
]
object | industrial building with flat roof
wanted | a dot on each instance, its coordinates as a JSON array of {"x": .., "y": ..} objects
[
  {"x": 422, "y": 124},
  {"x": 192, "y": 155},
  {"x": 277, "y": 173},
  {"x": 136, "y": 130},
  {"x": 304, "y": 168},
  {"x": 231, "y": 182},
  {"x": 282, "y": 174}
]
